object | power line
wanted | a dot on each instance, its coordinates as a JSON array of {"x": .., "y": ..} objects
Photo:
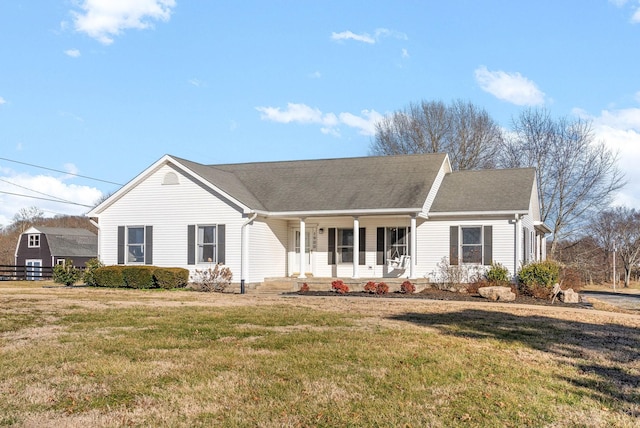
[
  {"x": 35, "y": 191},
  {"x": 62, "y": 172},
  {"x": 46, "y": 199}
]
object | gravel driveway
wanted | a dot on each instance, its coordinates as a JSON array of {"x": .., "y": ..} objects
[{"x": 624, "y": 299}]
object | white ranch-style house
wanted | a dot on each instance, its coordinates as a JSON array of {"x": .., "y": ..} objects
[{"x": 367, "y": 217}]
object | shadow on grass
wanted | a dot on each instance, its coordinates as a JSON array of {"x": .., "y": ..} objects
[{"x": 609, "y": 353}]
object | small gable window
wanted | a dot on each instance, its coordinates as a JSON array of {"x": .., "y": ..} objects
[
  {"x": 170, "y": 178},
  {"x": 34, "y": 240}
]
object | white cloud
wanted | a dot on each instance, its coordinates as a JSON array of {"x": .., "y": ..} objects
[
  {"x": 635, "y": 17},
  {"x": 196, "y": 82},
  {"x": 379, "y": 33},
  {"x": 510, "y": 87},
  {"x": 348, "y": 35},
  {"x": 50, "y": 187},
  {"x": 315, "y": 75},
  {"x": 405, "y": 53},
  {"x": 620, "y": 130},
  {"x": 73, "y": 53},
  {"x": 2, "y": 101},
  {"x": 637, "y": 96},
  {"x": 104, "y": 19},
  {"x": 302, "y": 113},
  {"x": 365, "y": 123}
]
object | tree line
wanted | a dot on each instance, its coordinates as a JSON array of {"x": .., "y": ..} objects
[{"x": 577, "y": 175}]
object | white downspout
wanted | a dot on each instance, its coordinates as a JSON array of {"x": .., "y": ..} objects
[
  {"x": 244, "y": 251},
  {"x": 517, "y": 240}
]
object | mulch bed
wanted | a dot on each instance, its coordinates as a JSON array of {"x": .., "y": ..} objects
[{"x": 435, "y": 294}]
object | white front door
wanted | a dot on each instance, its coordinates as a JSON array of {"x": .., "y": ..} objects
[
  {"x": 34, "y": 269},
  {"x": 294, "y": 253}
]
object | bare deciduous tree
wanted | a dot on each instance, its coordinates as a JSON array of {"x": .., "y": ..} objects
[
  {"x": 465, "y": 132},
  {"x": 618, "y": 230},
  {"x": 26, "y": 217},
  {"x": 576, "y": 175}
]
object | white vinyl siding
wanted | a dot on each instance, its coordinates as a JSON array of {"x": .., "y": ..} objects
[
  {"x": 433, "y": 243},
  {"x": 169, "y": 209},
  {"x": 267, "y": 249}
]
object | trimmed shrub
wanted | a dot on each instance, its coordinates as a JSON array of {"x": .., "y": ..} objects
[
  {"x": 370, "y": 287},
  {"x": 169, "y": 278},
  {"x": 66, "y": 274},
  {"x": 138, "y": 276},
  {"x": 497, "y": 274},
  {"x": 407, "y": 288},
  {"x": 382, "y": 288},
  {"x": 89, "y": 271},
  {"x": 537, "y": 279},
  {"x": 109, "y": 276},
  {"x": 339, "y": 287}
]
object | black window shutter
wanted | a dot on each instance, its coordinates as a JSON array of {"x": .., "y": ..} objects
[
  {"x": 380, "y": 246},
  {"x": 488, "y": 245},
  {"x": 362, "y": 253},
  {"x": 120, "y": 245},
  {"x": 332, "y": 245},
  {"x": 453, "y": 245},
  {"x": 191, "y": 244},
  {"x": 221, "y": 244},
  {"x": 148, "y": 245}
]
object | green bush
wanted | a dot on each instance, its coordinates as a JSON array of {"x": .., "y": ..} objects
[
  {"x": 537, "y": 279},
  {"x": 89, "y": 271},
  {"x": 109, "y": 276},
  {"x": 66, "y": 274},
  {"x": 497, "y": 274},
  {"x": 138, "y": 276},
  {"x": 169, "y": 278}
]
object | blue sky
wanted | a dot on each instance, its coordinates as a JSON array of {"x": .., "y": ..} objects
[{"x": 104, "y": 88}]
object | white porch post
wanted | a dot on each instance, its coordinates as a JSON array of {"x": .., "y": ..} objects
[
  {"x": 413, "y": 248},
  {"x": 518, "y": 244},
  {"x": 303, "y": 244},
  {"x": 356, "y": 247}
]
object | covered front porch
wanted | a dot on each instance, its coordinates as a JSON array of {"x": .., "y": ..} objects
[{"x": 353, "y": 247}]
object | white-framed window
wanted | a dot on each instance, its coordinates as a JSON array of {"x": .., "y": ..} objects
[
  {"x": 135, "y": 244},
  {"x": 344, "y": 247},
  {"x": 34, "y": 240},
  {"x": 471, "y": 245},
  {"x": 207, "y": 244},
  {"x": 61, "y": 262}
]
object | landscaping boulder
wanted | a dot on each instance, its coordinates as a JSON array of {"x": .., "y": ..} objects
[
  {"x": 569, "y": 296},
  {"x": 496, "y": 293}
]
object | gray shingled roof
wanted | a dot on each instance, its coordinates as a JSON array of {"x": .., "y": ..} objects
[
  {"x": 382, "y": 182},
  {"x": 70, "y": 242},
  {"x": 485, "y": 190}
]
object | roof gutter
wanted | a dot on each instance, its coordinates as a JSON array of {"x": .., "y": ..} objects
[
  {"x": 335, "y": 213},
  {"x": 244, "y": 251},
  {"x": 477, "y": 213}
]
